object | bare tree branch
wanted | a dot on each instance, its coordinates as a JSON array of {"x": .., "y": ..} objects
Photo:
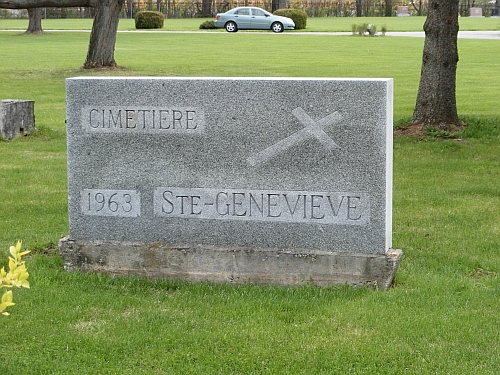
[{"x": 26, "y": 4}]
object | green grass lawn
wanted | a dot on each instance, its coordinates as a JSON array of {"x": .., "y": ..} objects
[{"x": 440, "y": 317}]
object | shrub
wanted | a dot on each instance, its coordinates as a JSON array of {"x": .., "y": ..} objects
[
  {"x": 366, "y": 29},
  {"x": 362, "y": 29},
  {"x": 371, "y": 29},
  {"x": 354, "y": 28},
  {"x": 149, "y": 20},
  {"x": 207, "y": 25},
  {"x": 4, "y": 13},
  {"x": 299, "y": 17}
]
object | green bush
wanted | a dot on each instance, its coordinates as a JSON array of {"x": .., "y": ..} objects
[
  {"x": 366, "y": 29},
  {"x": 372, "y": 29},
  {"x": 299, "y": 17},
  {"x": 4, "y": 13},
  {"x": 207, "y": 25},
  {"x": 149, "y": 20}
]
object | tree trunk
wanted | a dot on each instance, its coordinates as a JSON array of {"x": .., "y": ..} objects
[
  {"x": 103, "y": 37},
  {"x": 388, "y": 8},
  {"x": 16, "y": 117},
  {"x": 359, "y": 8},
  {"x": 207, "y": 8},
  {"x": 436, "y": 101},
  {"x": 101, "y": 51},
  {"x": 35, "y": 22},
  {"x": 277, "y": 4}
]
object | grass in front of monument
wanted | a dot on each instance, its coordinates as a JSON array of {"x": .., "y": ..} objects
[{"x": 441, "y": 316}]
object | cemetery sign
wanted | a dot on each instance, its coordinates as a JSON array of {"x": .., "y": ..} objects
[{"x": 267, "y": 180}]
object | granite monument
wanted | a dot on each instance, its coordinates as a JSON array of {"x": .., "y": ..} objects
[{"x": 265, "y": 180}]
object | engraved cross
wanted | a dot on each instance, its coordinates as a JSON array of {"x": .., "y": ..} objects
[{"x": 311, "y": 129}]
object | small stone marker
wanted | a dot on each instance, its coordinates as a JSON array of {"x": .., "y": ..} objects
[
  {"x": 476, "y": 12},
  {"x": 402, "y": 11},
  {"x": 16, "y": 117},
  {"x": 282, "y": 181}
]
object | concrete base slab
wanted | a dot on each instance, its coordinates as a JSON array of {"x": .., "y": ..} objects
[{"x": 233, "y": 264}]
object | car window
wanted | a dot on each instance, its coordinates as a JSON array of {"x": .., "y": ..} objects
[
  {"x": 258, "y": 13},
  {"x": 243, "y": 12}
]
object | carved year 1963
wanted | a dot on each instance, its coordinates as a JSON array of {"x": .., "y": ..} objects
[{"x": 105, "y": 202}]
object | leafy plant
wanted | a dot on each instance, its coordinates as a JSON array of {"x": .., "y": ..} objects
[
  {"x": 298, "y": 16},
  {"x": 362, "y": 29},
  {"x": 371, "y": 29},
  {"x": 207, "y": 25},
  {"x": 149, "y": 20},
  {"x": 366, "y": 29},
  {"x": 354, "y": 28},
  {"x": 17, "y": 276}
]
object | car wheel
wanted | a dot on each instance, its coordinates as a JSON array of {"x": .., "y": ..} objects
[
  {"x": 231, "y": 27},
  {"x": 277, "y": 27}
]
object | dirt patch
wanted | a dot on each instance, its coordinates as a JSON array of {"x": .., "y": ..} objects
[
  {"x": 422, "y": 130},
  {"x": 102, "y": 68}
]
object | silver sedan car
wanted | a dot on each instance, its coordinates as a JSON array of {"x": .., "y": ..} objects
[{"x": 251, "y": 18}]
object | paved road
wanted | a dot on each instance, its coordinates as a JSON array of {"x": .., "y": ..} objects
[
  {"x": 417, "y": 34},
  {"x": 461, "y": 34}
]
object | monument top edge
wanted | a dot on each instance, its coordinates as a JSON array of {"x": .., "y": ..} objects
[{"x": 227, "y": 78}]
